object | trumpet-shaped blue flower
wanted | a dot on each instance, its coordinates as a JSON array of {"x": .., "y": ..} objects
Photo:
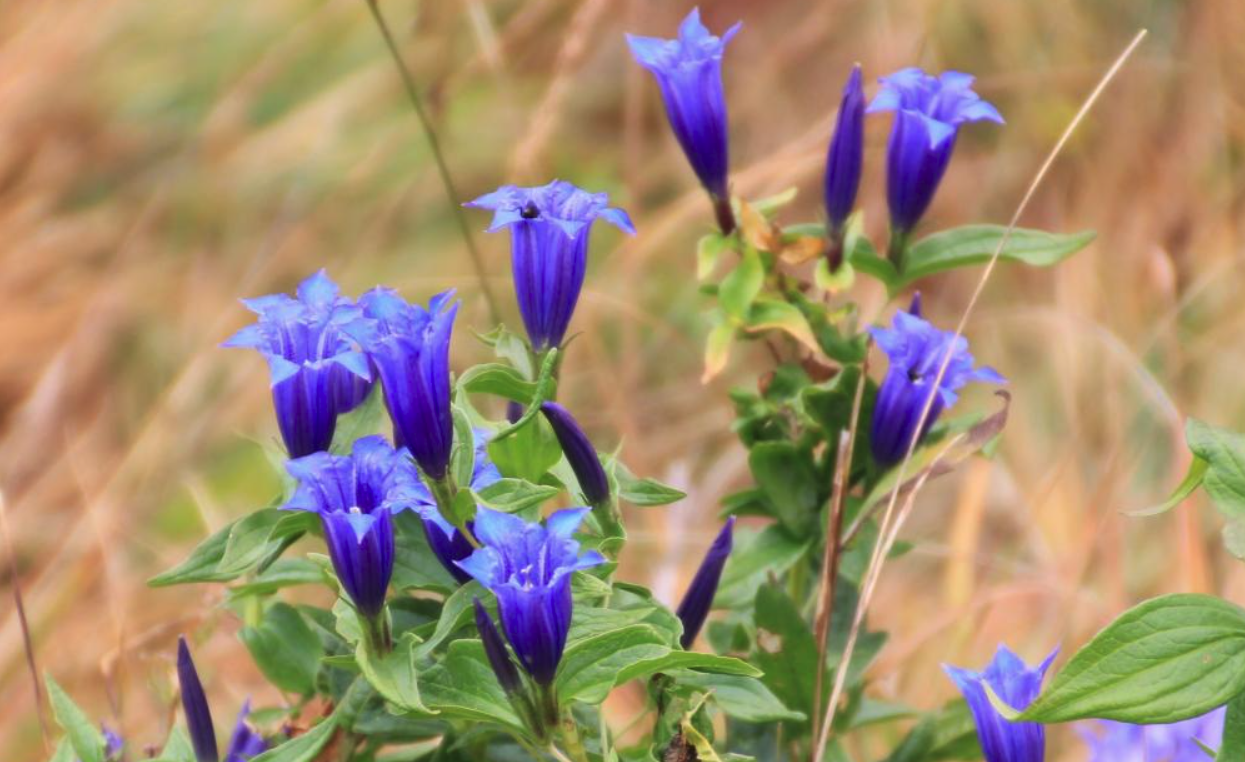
[
  {"x": 529, "y": 567},
  {"x": 689, "y": 72},
  {"x": 447, "y": 543},
  {"x": 1017, "y": 685},
  {"x": 355, "y": 496},
  {"x": 916, "y": 349},
  {"x": 317, "y": 369},
  {"x": 1111, "y": 741},
  {"x": 549, "y": 230},
  {"x": 694, "y": 607},
  {"x": 579, "y": 452},
  {"x": 244, "y": 743},
  {"x": 928, "y": 113},
  {"x": 410, "y": 347},
  {"x": 846, "y": 155}
]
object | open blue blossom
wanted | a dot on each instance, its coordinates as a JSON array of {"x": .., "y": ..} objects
[
  {"x": 447, "y": 543},
  {"x": 916, "y": 349},
  {"x": 529, "y": 567},
  {"x": 549, "y": 229},
  {"x": 316, "y": 366},
  {"x": 244, "y": 743},
  {"x": 1111, "y": 741},
  {"x": 694, "y": 607},
  {"x": 410, "y": 348},
  {"x": 1017, "y": 685},
  {"x": 928, "y": 113},
  {"x": 579, "y": 452},
  {"x": 355, "y": 496},
  {"x": 846, "y": 155},
  {"x": 689, "y": 72}
]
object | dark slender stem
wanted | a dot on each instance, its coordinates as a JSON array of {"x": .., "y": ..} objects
[
  {"x": 27, "y": 642},
  {"x": 724, "y": 214},
  {"x": 434, "y": 144}
]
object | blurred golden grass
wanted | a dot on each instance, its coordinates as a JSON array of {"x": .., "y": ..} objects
[{"x": 159, "y": 160}]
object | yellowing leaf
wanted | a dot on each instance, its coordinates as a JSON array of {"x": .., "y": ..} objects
[
  {"x": 768, "y": 314},
  {"x": 803, "y": 249},
  {"x": 717, "y": 350}
]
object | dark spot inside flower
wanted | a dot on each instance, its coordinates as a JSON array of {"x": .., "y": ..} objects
[
  {"x": 530, "y": 212},
  {"x": 914, "y": 376}
]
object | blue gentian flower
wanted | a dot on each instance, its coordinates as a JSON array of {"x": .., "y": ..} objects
[
  {"x": 447, "y": 543},
  {"x": 114, "y": 745},
  {"x": 528, "y": 567},
  {"x": 580, "y": 454},
  {"x": 846, "y": 155},
  {"x": 244, "y": 743},
  {"x": 410, "y": 348},
  {"x": 316, "y": 365},
  {"x": 1017, "y": 685},
  {"x": 495, "y": 650},
  {"x": 689, "y": 73},
  {"x": 355, "y": 496},
  {"x": 928, "y": 113},
  {"x": 1111, "y": 741},
  {"x": 549, "y": 230},
  {"x": 694, "y": 607},
  {"x": 915, "y": 349}
]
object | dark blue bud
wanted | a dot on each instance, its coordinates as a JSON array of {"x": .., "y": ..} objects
[
  {"x": 1017, "y": 685},
  {"x": 845, "y": 157},
  {"x": 495, "y": 650},
  {"x": 694, "y": 608},
  {"x": 194, "y": 704},
  {"x": 579, "y": 452},
  {"x": 689, "y": 73}
]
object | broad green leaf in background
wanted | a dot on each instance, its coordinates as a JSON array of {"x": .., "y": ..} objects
[
  {"x": 202, "y": 563},
  {"x": 456, "y": 613},
  {"x": 84, "y": 737},
  {"x": 366, "y": 419},
  {"x": 593, "y": 666},
  {"x": 975, "y": 244},
  {"x": 741, "y": 697},
  {"x": 303, "y": 748},
  {"x": 1168, "y": 659},
  {"x": 529, "y": 453},
  {"x": 463, "y": 686},
  {"x": 755, "y": 556},
  {"x": 415, "y": 566},
  {"x": 787, "y": 477},
  {"x": 285, "y": 649}
]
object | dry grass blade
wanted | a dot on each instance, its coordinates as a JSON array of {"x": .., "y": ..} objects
[
  {"x": 20, "y": 607},
  {"x": 878, "y": 556}
]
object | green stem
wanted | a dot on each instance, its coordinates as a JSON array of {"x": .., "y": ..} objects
[
  {"x": 434, "y": 145},
  {"x": 568, "y": 731},
  {"x": 378, "y": 633},
  {"x": 897, "y": 248}
]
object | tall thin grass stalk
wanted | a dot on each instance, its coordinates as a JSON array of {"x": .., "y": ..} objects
[
  {"x": 27, "y": 643},
  {"x": 888, "y": 531},
  {"x": 443, "y": 169}
]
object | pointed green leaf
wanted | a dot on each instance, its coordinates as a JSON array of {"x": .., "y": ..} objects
[
  {"x": 285, "y": 649},
  {"x": 975, "y": 244},
  {"x": 393, "y": 675},
  {"x": 1224, "y": 452},
  {"x": 84, "y": 737},
  {"x": 1192, "y": 480},
  {"x": 742, "y": 285},
  {"x": 774, "y": 315},
  {"x": 497, "y": 379},
  {"x": 512, "y": 495}
]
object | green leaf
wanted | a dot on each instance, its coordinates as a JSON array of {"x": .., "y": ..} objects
[
  {"x": 84, "y": 737},
  {"x": 1224, "y": 453},
  {"x": 463, "y": 686},
  {"x": 546, "y": 385},
  {"x": 304, "y": 748},
  {"x": 285, "y": 649},
  {"x": 641, "y": 492},
  {"x": 529, "y": 454},
  {"x": 741, "y": 697},
  {"x": 1192, "y": 480},
  {"x": 1234, "y": 538},
  {"x": 177, "y": 746},
  {"x": 709, "y": 252},
  {"x": 512, "y": 495},
  {"x": 201, "y": 565},
  {"x": 462, "y": 458},
  {"x": 1167, "y": 659},
  {"x": 455, "y": 614},
  {"x": 756, "y": 555},
  {"x": 1233, "y": 747},
  {"x": 717, "y": 349},
  {"x": 249, "y": 541},
  {"x": 593, "y": 666},
  {"x": 367, "y": 418},
  {"x": 865, "y": 259},
  {"x": 742, "y": 285},
  {"x": 393, "y": 675},
  {"x": 775, "y": 315},
  {"x": 975, "y": 244},
  {"x": 63, "y": 753},
  {"x": 497, "y": 379},
  {"x": 771, "y": 205},
  {"x": 788, "y": 479},
  {"x": 286, "y": 572},
  {"x": 415, "y": 566}
]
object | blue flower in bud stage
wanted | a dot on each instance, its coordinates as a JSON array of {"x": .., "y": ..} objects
[
  {"x": 549, "y": 230},
  {"x": 694, "y": 607},
  {"x": 846, "y": 154},
  {"x": 317, "y": 368},
  {"x": 1111, "y": 741},
  {"x": 410, "y": 347},
  {"x": 928, "y": 113},
  {"x": 355, "y": 496},
  {"x": 447, "y": 543},
  {"x": 579, "y": 452},
  {"x": 916, "y": 349},
  {"x": 528, "y": 567},
  {"x": 244, "y": 743},
  {"x": 495, "y": 650},
  {"x": 1017, "y": 685},
  {"x": 689, "y": 73}
]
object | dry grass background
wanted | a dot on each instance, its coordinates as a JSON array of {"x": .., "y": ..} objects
[{"x": 159, "y": 160}]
